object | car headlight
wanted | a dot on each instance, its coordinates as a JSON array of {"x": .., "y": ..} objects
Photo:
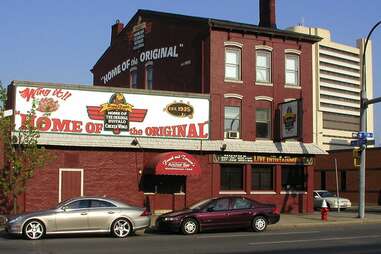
[
  {"x": 170, "y": 219},
  {"x": 15, "y": 220}
]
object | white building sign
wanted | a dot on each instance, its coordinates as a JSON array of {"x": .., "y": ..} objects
[
  {"x": 60, "y": 110},
  {"x": 290, "y": 119}
]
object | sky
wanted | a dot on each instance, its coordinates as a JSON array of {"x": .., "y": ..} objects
[{"x": 60, "y": 41}]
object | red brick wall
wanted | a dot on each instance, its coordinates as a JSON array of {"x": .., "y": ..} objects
[
  {"x": 249, "y": 90},
  {"x": 169, "y": 74},
  {"x": 345, "y": 163}
]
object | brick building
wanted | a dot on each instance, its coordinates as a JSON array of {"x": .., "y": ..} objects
[
  {"x": 348, "y": 174},
  {"x": 253, "y": 137}
]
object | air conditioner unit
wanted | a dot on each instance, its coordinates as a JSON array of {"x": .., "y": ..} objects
[{"x": 233, "y": 134}]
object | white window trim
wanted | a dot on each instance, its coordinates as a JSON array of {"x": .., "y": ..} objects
[
  {"x": 150, "y": 63},
  {"x": 257, "y": 83},
  {"x": 232, "y": 192},
  {"x": 233, "y": 95},
  {"x": 289, "y": 99},
  {"x": 133, "y": 68},
  {"x": 233, "y": 44},
  {"x": 293, "y": 192},
  {"x": 60, "y": 180},
  {"x": 298, "y": 70},
  {"x": 293, "y": 87},
  {"x": 263, "y": 192},
  {"x": 293, "y": 51},
  {"x": 268, "y": 50},
  {"x": 263, "y": 47},
  {"x": 237, "y": 47},
  {"x": 263, "y": 98},
  {"x": 233, "y": 81}
]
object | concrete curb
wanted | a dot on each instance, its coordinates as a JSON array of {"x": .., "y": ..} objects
[{"x": 327, "y": 223}]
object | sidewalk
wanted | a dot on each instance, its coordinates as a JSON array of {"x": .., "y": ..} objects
[{"x": 350, "y": 216}]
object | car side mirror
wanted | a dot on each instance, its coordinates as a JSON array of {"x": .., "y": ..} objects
[{"x": 210, "y": 209}]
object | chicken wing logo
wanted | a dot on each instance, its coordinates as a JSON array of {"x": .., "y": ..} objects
[
  {"x": 116, "y": 114},
  {"x": 289, "y": 119}
]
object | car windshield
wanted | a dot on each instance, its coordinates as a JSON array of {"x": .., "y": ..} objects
[
  {"x": 200, "y": 204},
  {"x": 326, "y": 194}
]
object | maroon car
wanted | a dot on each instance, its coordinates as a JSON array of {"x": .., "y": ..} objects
[{"x": 220, "y": 213}]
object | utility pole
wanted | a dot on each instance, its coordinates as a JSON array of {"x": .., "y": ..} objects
[{"x": 363, "y": 107}]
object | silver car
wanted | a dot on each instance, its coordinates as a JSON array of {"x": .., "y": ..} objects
[
  {"x": 81, "y": 215},
  {"x": 333, "y": 202}
]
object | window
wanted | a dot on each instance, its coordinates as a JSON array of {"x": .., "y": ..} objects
[
  {"x": 293, "y": 178},
  {"x": 134, "y": 78},
  {"x": 262, "y": 177},
  {"x": 231, "y": 177},
  {"x": 263, "y": 68},
  {"x": 149, "y": 77},
  {"x": 322, "y": 180},
  {"x": 101, "y": 203},
  {"x": 79, "y": 204},
  {"x": 221, "y": 204},
  {"x": 343, "y": 181},
  {"x": 232, "y": 63},
  {"x": 263, "y": 123},
  {"x": 241, "y": 203},
  {"x": 232, "y": 118},
  {"x": 292, "y": 70},
  {"x": 163, "y": 184}
]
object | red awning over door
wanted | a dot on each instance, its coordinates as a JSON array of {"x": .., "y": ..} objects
[{"x": 173, "y": 163}]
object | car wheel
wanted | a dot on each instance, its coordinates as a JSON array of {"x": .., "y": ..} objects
[
  {"x": 34, "y": 230},
  {"x": 121, "y": 228},
  {"x": 259, "y": 224},
  {"x": 189, "y": 227}
]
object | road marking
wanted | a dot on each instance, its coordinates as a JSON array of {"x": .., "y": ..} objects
[
  {"x": 257, "y": 234},
  {"x": 319, "y": 239}
]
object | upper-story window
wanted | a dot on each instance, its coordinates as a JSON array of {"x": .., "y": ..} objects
[
  {"x": 263, "y": 123},
  {"x": 263, "y": 66},
  {"x": 149, "y": 76},
  {"x": 134, "y": 78},
  {"x": 292, "y": 70},
  {"x": 232, "y": 121},
  {"x": 233, "y": 61}
]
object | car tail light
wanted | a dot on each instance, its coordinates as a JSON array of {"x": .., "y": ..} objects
[
  {"x": 146, "y": 213},
  {"x": 276, "y": 210}
]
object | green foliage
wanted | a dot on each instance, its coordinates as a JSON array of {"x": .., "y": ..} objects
[{"x": 22, "y": 154}]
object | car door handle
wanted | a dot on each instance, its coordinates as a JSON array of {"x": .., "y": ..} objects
[
  {"x": 110, "y": 212},
  {"x": 83, "y": 213}
]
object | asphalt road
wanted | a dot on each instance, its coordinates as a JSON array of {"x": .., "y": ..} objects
[{"x": 348, "y": 239}]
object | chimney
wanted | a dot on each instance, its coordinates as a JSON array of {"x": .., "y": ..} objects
[
  {"x": 267, "y": 13},
  {"x": 115, "y": 30}
]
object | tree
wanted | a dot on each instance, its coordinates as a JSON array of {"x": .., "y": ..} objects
[{"x": 22, "y": 155}]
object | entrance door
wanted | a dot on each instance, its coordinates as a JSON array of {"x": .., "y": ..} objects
[{"x": 70, "y": 183}]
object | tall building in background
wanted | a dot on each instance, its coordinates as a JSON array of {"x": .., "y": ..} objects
[{"x": 337, "y": 79}]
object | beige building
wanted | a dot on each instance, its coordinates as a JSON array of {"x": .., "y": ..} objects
[{"x": 337, "y": 79}]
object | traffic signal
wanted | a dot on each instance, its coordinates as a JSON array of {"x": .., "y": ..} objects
[{"x": 356, "y": 157}]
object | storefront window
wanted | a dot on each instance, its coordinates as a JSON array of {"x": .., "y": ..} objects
[
  {"x": 163, "y": 184},
  {"x": 293, "y": 178},
  {"x": 231, "y": 177},
  {"x": 262, "y": 177}
]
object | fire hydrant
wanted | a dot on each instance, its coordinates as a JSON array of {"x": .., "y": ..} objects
[{"x": 324, "y": 211}]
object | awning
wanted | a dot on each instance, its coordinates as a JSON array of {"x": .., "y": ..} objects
[{"x": 173, "y": 163}]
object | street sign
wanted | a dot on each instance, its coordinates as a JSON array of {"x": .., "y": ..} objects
[
  {"x": 361, "y": 142},
  {"x": 363, "y": 135}
]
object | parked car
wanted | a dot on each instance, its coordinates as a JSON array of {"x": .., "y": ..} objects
[
  {"x": 332, "y": 201},
  {"x": 220, "y": 213},
  {"x": 81, "y": 215}
]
